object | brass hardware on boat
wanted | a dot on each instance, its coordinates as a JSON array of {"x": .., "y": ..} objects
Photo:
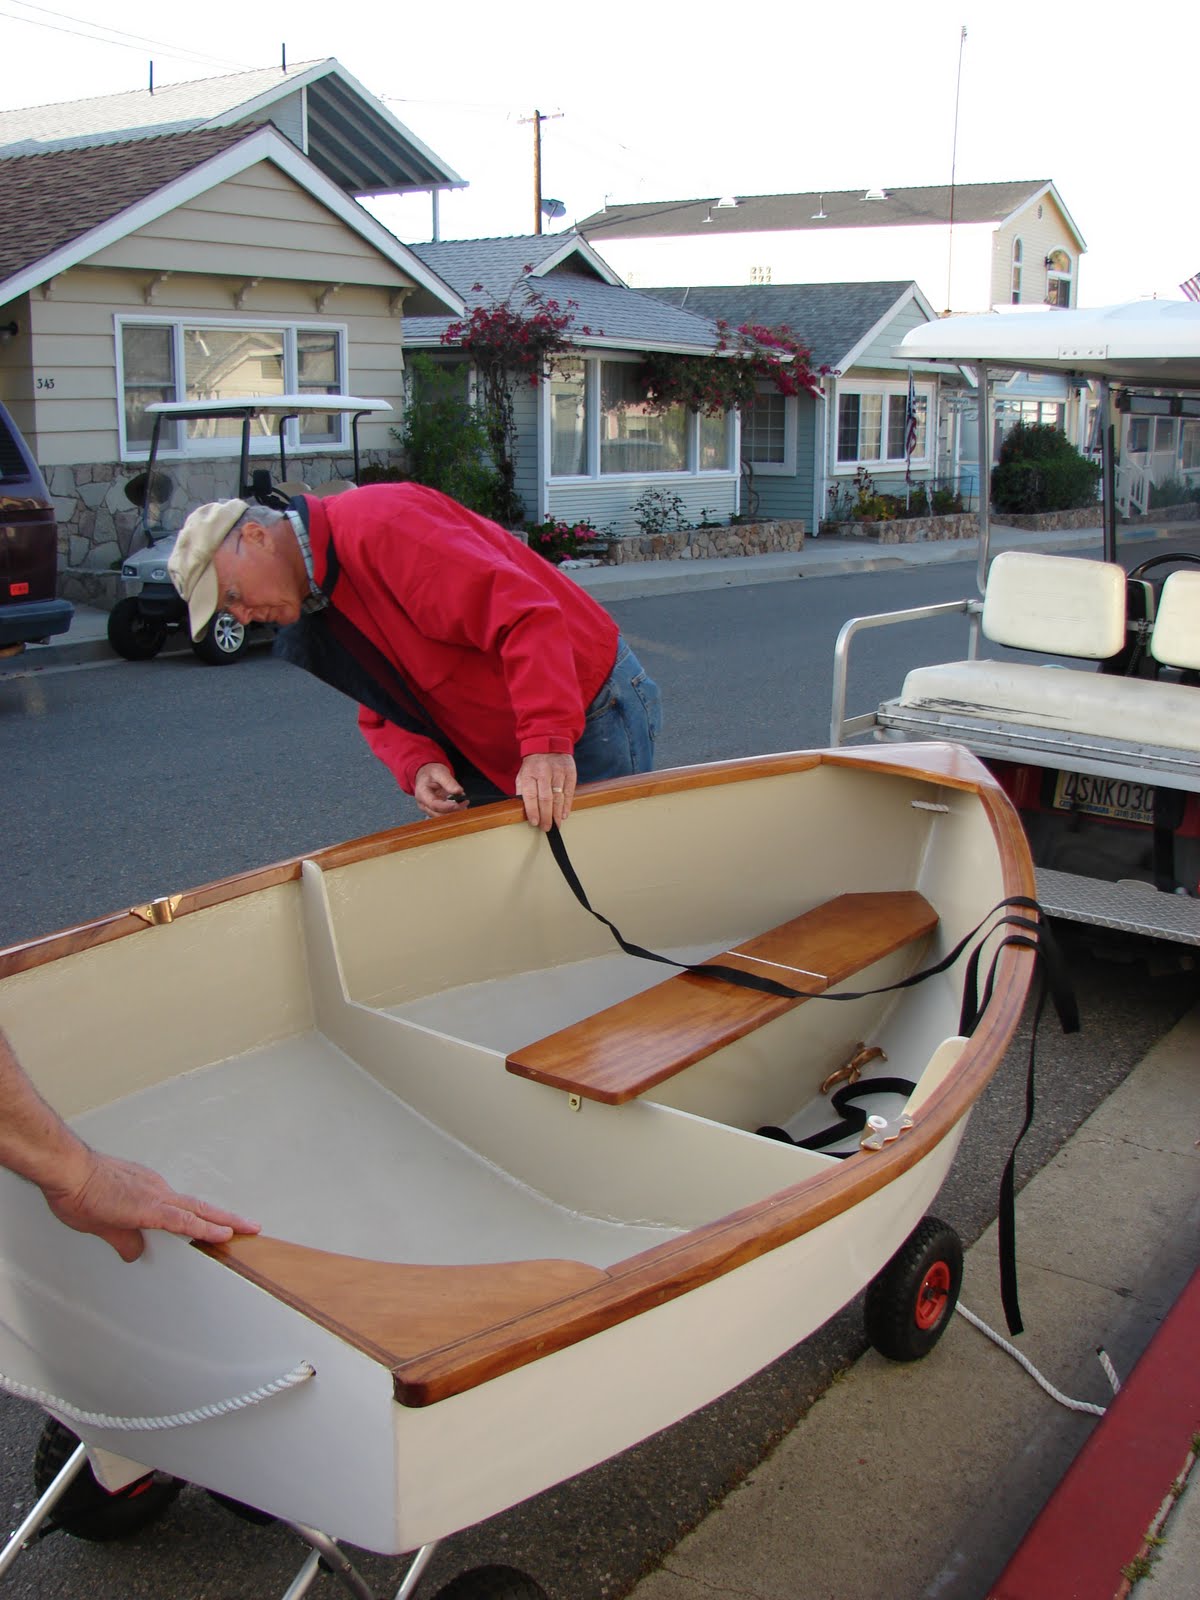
[
  {"x": 158, "y": 911},
  {"x": 575, "y": 1101},
  {"x": 851, "y": 1070},
  {"x": 882, "y": 1130}
]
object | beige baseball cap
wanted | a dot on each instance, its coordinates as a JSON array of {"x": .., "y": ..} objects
[{"x": 190, "y": 562}]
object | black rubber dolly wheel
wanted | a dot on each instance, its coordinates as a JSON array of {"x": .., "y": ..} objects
[
  {"x": 88, "y": 1510},
  {"x": 132, "y": 635},
  {"x": 910, "y": 1303},
  {"x": 492, "y": 1583}
]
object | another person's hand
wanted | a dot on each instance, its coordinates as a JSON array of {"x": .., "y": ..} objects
[
  {"x": 116, "y": 1199},
  {"x": 546, "y": 783},
  {"x": 437, "y": 791}
]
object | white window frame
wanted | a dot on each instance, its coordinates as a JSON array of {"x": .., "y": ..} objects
[
  {"x": 219, "y": 449},
  {"x": 847, "y": 469},
  {"x": 787, "y": 467},
  {"x": 591, "y": 407},
  {"x": 1065, "y": 275}
]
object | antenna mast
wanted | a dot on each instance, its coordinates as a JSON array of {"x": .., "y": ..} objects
[{"x": 962, "y": 39}]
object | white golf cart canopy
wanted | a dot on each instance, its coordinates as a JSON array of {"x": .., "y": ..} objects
[
  {"x": 1153, "y": 343},
  {"x": 1144, "y": 345},
  {"x": 292, "y": 404}
]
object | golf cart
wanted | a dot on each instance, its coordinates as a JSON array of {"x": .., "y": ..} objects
[
  {"x": 150, "y": 609},
  {"x": 1099, "y": 747}
]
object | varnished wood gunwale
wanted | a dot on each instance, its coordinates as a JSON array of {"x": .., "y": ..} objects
[
  {"x": 471, "y": 1355},
  {"x": 622, "y": 1051},
  {"x": 669, "y": 1270}
]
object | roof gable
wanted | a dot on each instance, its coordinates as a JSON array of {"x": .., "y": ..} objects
[
  {"x": 606, "y": 313},
  {"x": 848, "y": 208},
  {"x": 59, "y": 207},
  {"x": 833, "y": 319},
  {"x": 344, "y": 129},
  {"x": 499, "y": 264}
]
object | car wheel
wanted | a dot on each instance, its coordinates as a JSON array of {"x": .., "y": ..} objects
[
  {"x": 132, "y": 635},
  {"x": 223, "y": 642}
]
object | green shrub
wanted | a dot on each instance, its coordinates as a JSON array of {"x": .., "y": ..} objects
[
  {"x": 445, "y": 440},
  {"x": 1172, "y": 492},
  {"x": 1041, "y": 470}
]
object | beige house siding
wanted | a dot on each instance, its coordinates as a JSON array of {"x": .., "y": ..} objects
[
  {"x": 73, "y": 346},
  {"x": 1039, "y": 235},
  {"x": 260, "y": 224}
]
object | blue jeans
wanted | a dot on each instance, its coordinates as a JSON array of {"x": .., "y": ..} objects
[{"x": 622, "y": 722}]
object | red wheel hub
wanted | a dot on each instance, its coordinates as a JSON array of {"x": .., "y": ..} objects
[{"x": 932, "y": 1297}]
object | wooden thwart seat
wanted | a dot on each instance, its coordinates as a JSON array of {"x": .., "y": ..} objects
[{"x": 622, "y": 1051}]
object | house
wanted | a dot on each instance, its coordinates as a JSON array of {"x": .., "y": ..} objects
[
  {"x": 800, "y": 455},
  {"x": 969, "y": 247},
  {"x": 205, "y": 254},
  {"x": 588, "y": 445}
]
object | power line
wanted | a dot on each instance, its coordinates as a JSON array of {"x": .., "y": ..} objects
[{"x": 126, "y": 41}]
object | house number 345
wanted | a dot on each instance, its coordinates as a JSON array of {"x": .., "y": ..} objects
[{"x": 45, "y": 383}]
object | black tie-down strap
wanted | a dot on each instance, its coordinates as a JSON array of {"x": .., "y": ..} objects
[{"x": 1029, "y": 933}]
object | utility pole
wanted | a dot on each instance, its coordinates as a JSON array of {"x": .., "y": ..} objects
[{"x": 537, "y": 119}]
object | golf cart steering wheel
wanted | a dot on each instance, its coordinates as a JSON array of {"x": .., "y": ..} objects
[{"x": 1159, "y": 561}]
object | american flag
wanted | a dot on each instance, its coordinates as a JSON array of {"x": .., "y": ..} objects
[{"x": 1191, "y": 287}]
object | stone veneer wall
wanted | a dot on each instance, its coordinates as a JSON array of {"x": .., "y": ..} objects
[
  {"x": 1047, "y": 521},
  {"x": 98, "y": 527},
  {"x": 699, "y": 544},
  {"x": 909, "y": 530}
]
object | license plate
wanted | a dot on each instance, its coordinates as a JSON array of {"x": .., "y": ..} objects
[{"x": 1104, "y": 797}]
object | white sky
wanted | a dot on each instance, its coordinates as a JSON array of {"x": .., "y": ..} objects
[{"x": 670, "y": 101}]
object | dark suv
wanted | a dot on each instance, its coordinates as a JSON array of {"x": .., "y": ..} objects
[{"x": 30, "y": 611}]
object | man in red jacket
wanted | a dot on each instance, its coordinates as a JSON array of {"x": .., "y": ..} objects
[{"x": 480, "y": 669}]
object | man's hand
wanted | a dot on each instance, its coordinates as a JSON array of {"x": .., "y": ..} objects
[
  {"x": 116, "y": 1199},
  {"x": 546, "y": 783},
  {"x": 437, "y": 791}
]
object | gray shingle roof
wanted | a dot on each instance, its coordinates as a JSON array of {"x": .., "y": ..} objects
[
  {"x": 605, "y": 312},
  {"x": 848, "y": 208},
  {"x": 830, "y": 318}
]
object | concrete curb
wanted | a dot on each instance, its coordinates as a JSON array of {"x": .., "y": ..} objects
[
  {"x": 87, "y": 642},
  {"x": 921, "y": 1480}
]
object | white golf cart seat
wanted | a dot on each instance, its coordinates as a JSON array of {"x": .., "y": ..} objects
[{"x": 1067, "y": 606}]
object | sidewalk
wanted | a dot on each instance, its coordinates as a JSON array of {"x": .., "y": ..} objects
[
  {"x": 915, "y": 1482},
  {"x": 821, "y": 557}
]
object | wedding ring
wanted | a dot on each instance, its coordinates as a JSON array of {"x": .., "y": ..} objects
[{"x": 556, "y": 791}]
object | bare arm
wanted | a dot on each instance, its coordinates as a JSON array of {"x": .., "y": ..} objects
[{"x": 90, "y": 1192}]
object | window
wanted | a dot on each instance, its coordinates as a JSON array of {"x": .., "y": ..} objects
[
  {"x": 1046, "y": 413},
  {"x": 1189, "y": 458},
  {"x": 1139, "y": 435},
  {"x": 599, "y": 425},
  {"x": 1058, "y": 279},
  {"x": 872, "y": 425},
  {"x": 149, "y": 363},
  {"x": 712, "y": 454},
  {"x": 568, "y": 420},
  {"x": 764, "y": 431},
  {"x": 1016, "y": 272},
  {"x": 632, "y": 437},
  {"x": 165, "y": 360}
]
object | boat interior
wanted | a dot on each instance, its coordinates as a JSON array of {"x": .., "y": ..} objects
[{"x": 383, "y": 1058}]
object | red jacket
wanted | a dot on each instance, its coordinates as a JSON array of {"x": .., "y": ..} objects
[{"x": 504, "y": 651}]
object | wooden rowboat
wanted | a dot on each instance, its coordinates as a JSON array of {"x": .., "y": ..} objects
[{"x": 517, "y": 1215}]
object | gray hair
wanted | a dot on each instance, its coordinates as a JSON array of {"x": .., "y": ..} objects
[{"x": 265, "y": 516}]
